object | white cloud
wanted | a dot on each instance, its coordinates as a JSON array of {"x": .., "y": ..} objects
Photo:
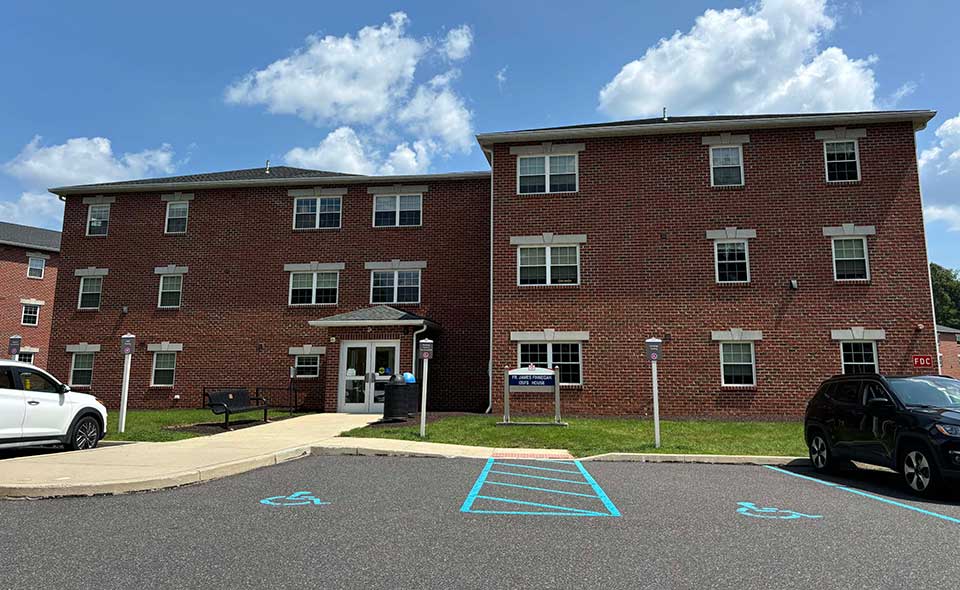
[
  {"x": 458, "y": 42},
  {"x": 83, "y": 160},
  {"x": 342, "y": 150},
  {"x": 944, "y": 156},
  {"x": 501, "y": 77},
  {"x": 762, "y": 58},
  {"x": 949, "y": 214},
  {"x": 36, "y": 209},
  {"x": 437, "y": 112}
]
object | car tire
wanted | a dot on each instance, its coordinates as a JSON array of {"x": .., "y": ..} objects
[
  {"x": 821, "y": 456},
  {"x": 919, "y": 470},
  {"x": 84, "y": 435}
]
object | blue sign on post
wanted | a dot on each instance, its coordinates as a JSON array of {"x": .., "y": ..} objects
[
  {"x": 531, "y": 379},
  {"x": 534, "y": 380}
]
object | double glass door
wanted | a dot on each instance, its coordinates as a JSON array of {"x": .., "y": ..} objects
[{"x": 365, "y": 368}]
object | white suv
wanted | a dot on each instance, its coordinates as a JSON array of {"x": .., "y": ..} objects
[{"x": 37, "y": 409}]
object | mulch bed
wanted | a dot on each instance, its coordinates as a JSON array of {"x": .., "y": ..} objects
[
  {"x": 415, "y": 419},
  {"x": 208, "y": 428}
]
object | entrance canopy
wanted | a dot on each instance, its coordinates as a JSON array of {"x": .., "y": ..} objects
[{"x": 380, "y": 315}]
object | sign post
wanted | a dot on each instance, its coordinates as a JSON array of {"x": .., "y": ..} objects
[
  {"x": 426, "y": 353},
  {"x": 531, "y": 379},
  {"x": 127, "y": 344},
  {"x": 653, "y": 354},
  {"x": 14, "y": 346}
]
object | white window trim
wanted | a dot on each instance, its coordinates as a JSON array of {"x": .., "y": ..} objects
[
  {"x": 753, "y": 364},
  {"x": 313, "y": 289},
  {"x": 100, "y": 294},
  {"x": 872, "y": 343},
  {"x": 866, "y": 258},
  {"x": 396, "y": 211},
  {"x": 743, "y": 178},
  {"x": 716, "y": 260},
  {"x": 23, "y": 313},
  {"x": 43, "y": 267},
  {"x": 161, "y": 292},
  {"x": 856, "y": 151},
  {"x": 90, "y": 217},
  {"x": 316, "y": 216},
  {"x": 396, "y": 286},
  {"x": 549, "y": 256},
  {"x": 549, "y": 344},
  {"x": 153, "y": 370},
  {"x": 296, "y": 365},
  {"x": 73, "y": 361},
  {"x": 166, "y": 220},
  {"x": 546, "y": 173},
  {"x": 23, "y": 353}
]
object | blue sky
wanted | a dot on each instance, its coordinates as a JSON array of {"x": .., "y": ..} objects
[{"x": 100, "y": 91}]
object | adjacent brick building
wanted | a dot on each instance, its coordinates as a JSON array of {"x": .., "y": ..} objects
[
  {"x": 29, "y": 257},
  {"x": 769, "y": 252},
  {"x": 949, "y": 351}
]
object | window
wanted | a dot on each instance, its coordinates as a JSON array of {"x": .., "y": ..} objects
[
  {"x": 548, "y": 265},
  {"x": 397, "y": 210},
  {"x": 35, "y": 381},
  {"x": 308, "y": 365},
  {"x": 726, "y": 166},
  {"x": 564, "y": 356},
  {"x": 314, "y": 288},
  {"x": 81, "y": 369},
  {"x": 873, "y": 391},
  {"x": 395, "y": 286},
  {"x": 98, "y": 220},
  {"x": 171, "y": 287},
  {"x": 850, "y": 259},
  {"x": 25, "y": 357},
  {"x": 35, "y": 267},
  {"x": 843, "y": 161},
  {"x": 90, "y": 288},
  {"x": 316, "y": 213},
  {"x": 737, "y": 363},
  {"x": 859, "y": 357},
  {"x": 164, "y": 369},
  {"x": 6, "y": 378},
  {"x": 535, "y": 174},
  {"x": 177, "y": 213},
  {"x": 846, "y": 392},
  {"x": 31, "y": 315},
  {"x": 732, "y": 261}
]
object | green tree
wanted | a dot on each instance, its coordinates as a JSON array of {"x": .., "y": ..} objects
[{"x": 946, "y": 295}]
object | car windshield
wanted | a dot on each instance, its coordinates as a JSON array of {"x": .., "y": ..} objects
[{"x": 937, "y": 392}]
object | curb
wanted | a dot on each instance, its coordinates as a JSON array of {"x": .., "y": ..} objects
[{"x": 702, "y": 459}]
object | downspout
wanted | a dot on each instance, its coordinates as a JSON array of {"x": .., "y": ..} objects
[
  {"x": 413, "y": 366},
  {"x": 490, "y": 327},
  {"x": 926, "y": 246}
]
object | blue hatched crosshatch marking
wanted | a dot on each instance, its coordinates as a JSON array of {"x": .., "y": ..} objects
[{"x": 550, "y": 487}]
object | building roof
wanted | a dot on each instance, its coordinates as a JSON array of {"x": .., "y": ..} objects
[
  {"x": 947, "y": 330},
  {"x": 660, "y": 125},
  {"x": 29, "y": 237},
  {"x": 380, "y": 315},
  {"x": 263, "y": 172}
]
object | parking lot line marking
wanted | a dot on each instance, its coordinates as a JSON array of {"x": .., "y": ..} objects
[
  {"x": 551, "y": 506},
  {"x": 513, "y": 485},
  {"x": 538, "y": 468},
  {"x": 468, "y": 503},
  {"x": 545, "y": 513},
  {"x": 869, "y": 495},
  {"x": 579, "y": 483},
  {"x": 599, "y": 491}
]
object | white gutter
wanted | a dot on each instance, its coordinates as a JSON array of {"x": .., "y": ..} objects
[
  {"x": 363, "y": 323},
  {"x": 30, "y": 246},
  {"x": 490, "y": 356}
]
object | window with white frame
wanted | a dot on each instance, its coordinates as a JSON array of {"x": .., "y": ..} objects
[
  {"x": 31, "y": 315},
  {"x": 81, "y": 369},
  {"x": 726, "y": 165},
  {"x": 35, "y": 267},
  {"x": 171, "y": 288},
  {"x": 842, "y": 160},
  {"x": 90, "y": 289},
  {"x": 850, "y": 262},
  {"x": 564, "y": 356},
  {"x": 732, "y": 261},
  {"x": 859, "y": 357},
  {"x": 397, "y": 210},
  {"x": 164, "y": 369},
  {"x": 307, "y": 365},
  {"x": 395, "y": 286},
  {"x": 548, "y": 265},
  {"x": 177, "y": 214},
  {"x": 98, "y": 219},
  {"x": 317, "y": 212},
  {"x": 314, "y": 288},
  {"x": 547, "y": 174},
  {"x": 737, "y": 363},
  {"x": 26, "y": 357}
]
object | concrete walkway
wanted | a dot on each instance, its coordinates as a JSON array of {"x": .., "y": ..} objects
[{"x": 148, "y": 466}]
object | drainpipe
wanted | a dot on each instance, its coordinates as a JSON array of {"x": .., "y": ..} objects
[
  {"x": 490, "y": 357},
  {"x": 413, "y": 367}
]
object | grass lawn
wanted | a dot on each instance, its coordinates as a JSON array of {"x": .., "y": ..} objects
[
  {"x": 148, "y": 425},
  {"x": 593, "y": 436}
]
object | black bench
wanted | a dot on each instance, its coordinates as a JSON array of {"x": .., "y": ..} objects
[{"x": 233, "y": 401}]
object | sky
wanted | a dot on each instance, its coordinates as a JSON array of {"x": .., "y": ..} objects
[{"x": 98, "y": 91}]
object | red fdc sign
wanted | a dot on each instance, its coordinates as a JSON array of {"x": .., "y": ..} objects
[{"x": 922, "y": 361}]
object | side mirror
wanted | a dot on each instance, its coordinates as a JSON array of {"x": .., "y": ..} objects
[
  {"x": 879, "y": 402},
  {"x": 64, "y": 388}
]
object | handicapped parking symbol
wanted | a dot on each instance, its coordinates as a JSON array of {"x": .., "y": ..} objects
[
  {"x": 751, "y": 509},
  {"x": 294, "y": 499}
]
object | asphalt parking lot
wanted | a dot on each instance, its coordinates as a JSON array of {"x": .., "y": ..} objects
[{"x": 378, "y": 522}]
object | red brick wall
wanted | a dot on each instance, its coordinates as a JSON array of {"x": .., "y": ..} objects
[
  {"x": 234, "y": 322},
  {"x": 949, "y": 355},
  {"x": 647, "y": 269},
  {"x": 14, "y": 286}
]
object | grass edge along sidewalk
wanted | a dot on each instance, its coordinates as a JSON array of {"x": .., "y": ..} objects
[
  {"x": 586, "y": 437},
  {"x": 154, "y": 425}
]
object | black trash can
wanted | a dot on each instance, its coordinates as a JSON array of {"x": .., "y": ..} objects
[{"x": 400, "y": 399}]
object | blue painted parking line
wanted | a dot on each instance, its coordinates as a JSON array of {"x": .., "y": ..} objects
[
  {"x": 844, "y": 488},
  {"x": 489, "y": 496}
]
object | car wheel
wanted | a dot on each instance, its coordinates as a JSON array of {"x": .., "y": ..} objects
[
  {"x": 85, "y": 434},
  {"x": 820, "y": 456},
  {"x": 919, "y": 471}
]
